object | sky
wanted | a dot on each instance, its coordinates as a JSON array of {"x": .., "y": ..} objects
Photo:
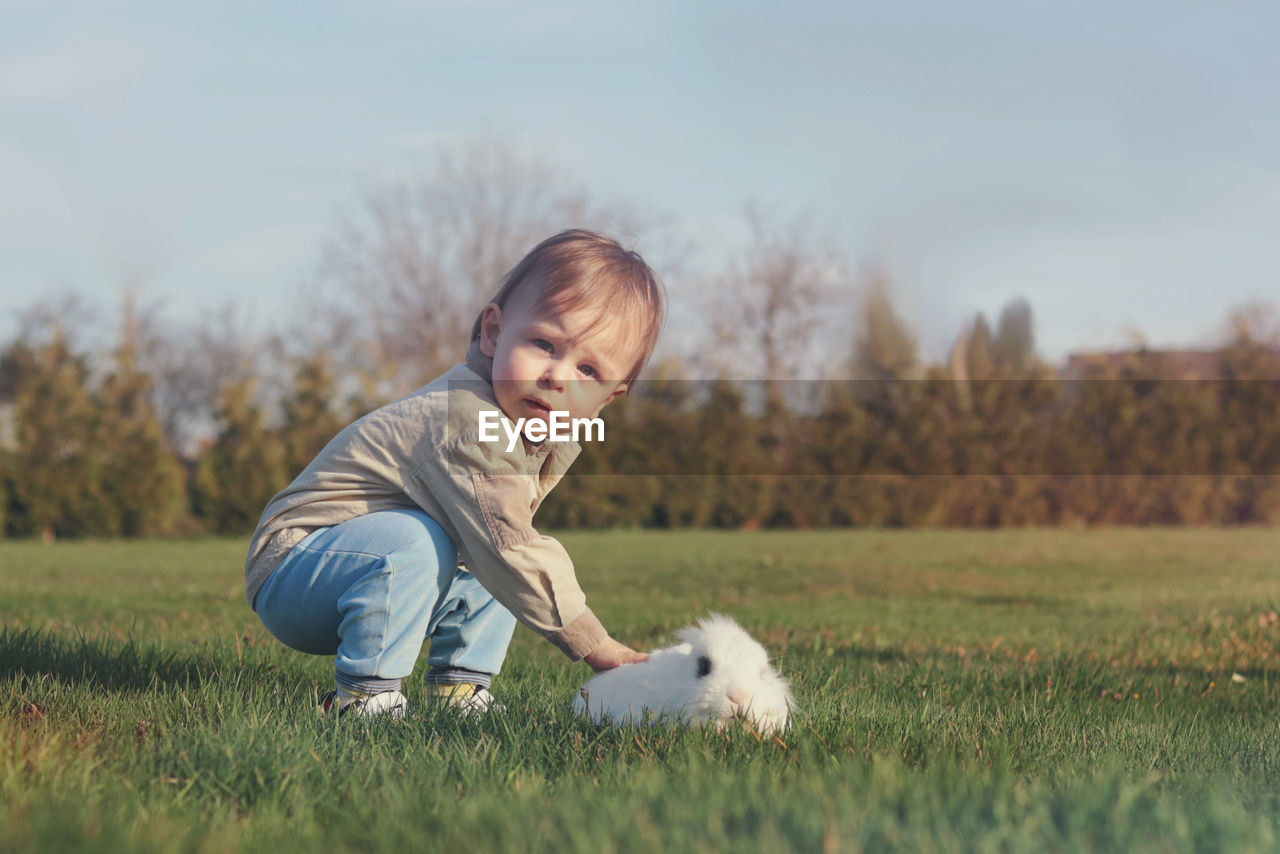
[{"x": 1115, "y": 163}]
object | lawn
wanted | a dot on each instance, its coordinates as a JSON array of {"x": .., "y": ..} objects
[{"x": 1110, "y": 690}]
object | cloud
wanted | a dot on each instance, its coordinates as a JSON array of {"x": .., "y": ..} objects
[
  {"x": 410, "y": 150},
  {"x": 37, "y": 207},
  {"x": 260, "y": 262},
  {"x": 96, "y": 73}
]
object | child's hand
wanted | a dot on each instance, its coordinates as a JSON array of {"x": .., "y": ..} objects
[{"x": 610, "y": 654}]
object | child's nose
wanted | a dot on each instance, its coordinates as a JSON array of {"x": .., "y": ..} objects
[{"x": 555, "y": 374}]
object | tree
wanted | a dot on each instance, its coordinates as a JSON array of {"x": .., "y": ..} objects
[
  {"x": 310, "y": 419},
  {"x": 142, "y": 480},
  {"x": 1013, "y": 349},
  {"x": 421, "y": 256},
  {"x": 772, "y": 300},
  {"x": 884, "y": 347},
  {"x": 243, "y": 468},
  {"x": 6, "y": 487},
  {"x": 1248, "y": 409},
  {"x": 8, "y": 429},
  {"x": 57, "y": 467},
  {"x": 188, "y": 366},
  {"x": 978, "y": 362},
  {"x": 978, "y": 355}
]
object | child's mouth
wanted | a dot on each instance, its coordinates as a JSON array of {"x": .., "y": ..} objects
[{"x": 537, "y": 405}]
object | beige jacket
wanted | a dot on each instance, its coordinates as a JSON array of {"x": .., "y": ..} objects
[{"x": 423, "y": 451}]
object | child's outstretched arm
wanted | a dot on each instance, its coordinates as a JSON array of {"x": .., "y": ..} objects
[{"x": 485, "y": 500}]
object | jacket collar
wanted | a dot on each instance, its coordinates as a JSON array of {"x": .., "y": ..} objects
[{"x": 479, "y": 362}]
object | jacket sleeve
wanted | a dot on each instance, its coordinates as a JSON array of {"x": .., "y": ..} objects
[{"x": 490, "y": 505}]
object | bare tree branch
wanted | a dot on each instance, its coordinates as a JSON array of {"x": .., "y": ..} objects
[
  {"x": 772, "y": 301},
  {"x": 418, "y": 258}
]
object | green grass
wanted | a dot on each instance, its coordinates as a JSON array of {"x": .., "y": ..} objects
[{"x": 960, "y": 690}]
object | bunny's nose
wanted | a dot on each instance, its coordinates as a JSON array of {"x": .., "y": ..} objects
[{"x": 739, "y": 699}]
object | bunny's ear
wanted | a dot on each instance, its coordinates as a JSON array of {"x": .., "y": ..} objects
[
  {"x": 691, "y": 635},
  {"x": 697, "y": 634}
]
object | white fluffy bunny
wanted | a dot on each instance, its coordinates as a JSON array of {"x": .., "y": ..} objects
[{"x": 717, "y": 673}]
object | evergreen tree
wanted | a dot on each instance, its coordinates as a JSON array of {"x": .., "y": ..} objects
[
  {"x": 1013, "y": 348},
  {"x": 884, "y": 347},
  {"x": 978, "y": 362},
  {"x": 6, "y": 482},
  {"x": 142, "y": 478},
  {"x": 662, "y": 409},
  {"x": 310, "y": 419},
  {"x": 57, "y": 466},
  {"x": 238, "y": 475},
  {"x": 884, "y": 360},
  {"x": 1248, "y": 422},
  {"x": 852, "y": 493},
  {"x": 732, "y": 460},
  {"x": 8, "y": 430}
]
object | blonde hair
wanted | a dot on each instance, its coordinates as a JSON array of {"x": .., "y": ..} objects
[{"x": 578, "y": 267}]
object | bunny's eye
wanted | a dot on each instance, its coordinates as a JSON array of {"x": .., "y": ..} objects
[{"x": 704, "y": 666}]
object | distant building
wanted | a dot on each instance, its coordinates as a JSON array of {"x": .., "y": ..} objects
[{"x": 1166, "y": 364}]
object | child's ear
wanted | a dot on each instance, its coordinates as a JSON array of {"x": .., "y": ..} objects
[
  {"x": 616, "y": 393},
  {"x": 490, "y": 326}
]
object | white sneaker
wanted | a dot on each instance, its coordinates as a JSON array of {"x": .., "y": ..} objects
[
  {"x": 389, "y": 703},
  {"x": 465, "y": 697}
]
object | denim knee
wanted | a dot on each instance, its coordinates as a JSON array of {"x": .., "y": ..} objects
[{"x": 310, "y": 596}]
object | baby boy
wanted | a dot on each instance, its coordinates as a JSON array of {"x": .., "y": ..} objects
[{"x": 409, "y": 527}]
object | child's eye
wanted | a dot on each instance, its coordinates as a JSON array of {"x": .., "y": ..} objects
[
  {"x": 589, "y": 371},
  {"x": 543, "y": 344}
]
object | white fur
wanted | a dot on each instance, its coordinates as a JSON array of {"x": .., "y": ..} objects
[{"x": 741, "y": 684}]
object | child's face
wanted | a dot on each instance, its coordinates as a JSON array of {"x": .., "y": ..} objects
[{"x": 544, "y": 361}]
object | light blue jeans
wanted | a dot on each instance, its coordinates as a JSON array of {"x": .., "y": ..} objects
[{"x": 374, "y": 588}]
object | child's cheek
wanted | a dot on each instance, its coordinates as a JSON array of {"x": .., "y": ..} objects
[
  {"x": 525, "y": 363},
  {"x": 586, "y": 401}
]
